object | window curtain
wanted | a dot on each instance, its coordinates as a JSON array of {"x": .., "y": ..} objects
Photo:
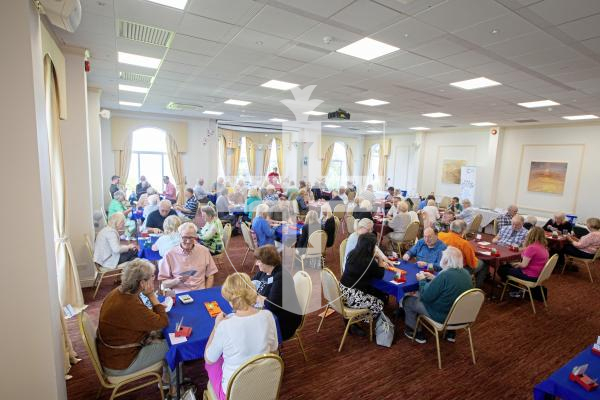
[
  {"x": 69, "y": 288},
  {"x": 123, "y": 160},
  {"x": 327, "y": 160},
  {"x": 366, "y": 164},
  {"x": 222, "y": 152},
  {"x": 235, "y": 162},
  {"x": 349, "y": 162},
  {"x": 251, "y": 155},
  {"x": 266, "y": 159},
  {"x": 382, "y": 169},
  {"x": 279, "y": 149},
  {"x": 176, "y": 167}
]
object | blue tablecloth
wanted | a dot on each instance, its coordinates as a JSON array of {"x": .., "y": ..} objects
[
  {"x": 137, "y": 214},
  {"x": 195, "y": 316},
  {"x": 290, "y": 236},
  {"x": 145, "y": 249},
  {"x": 558, "y": 384},
  {"x": 397, "y": 290},
  {"x": 212, "y": 198}
]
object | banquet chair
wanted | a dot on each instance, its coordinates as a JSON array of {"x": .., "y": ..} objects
[
  {"x": 462, "y": 315},
  {"x": 343, "y": 255},
  {"x": 349, "y": 222},
  {"x": 303, "y": 287},
  {"x": 340, "y": 212},
  {"x": 317, "y": 244},
  {"x": 475, "y": 225},
  {"x": 333, "y": 295},
  {"x": 495, "y": 227},
  {"x": 258, "y": 378},
  {"x": 220, "y": 258},
  {"x": 410, "y": 236},
  {"x": 101, "y": 272},
  {"x": 335, "y": 233},
  {"x": 251, "y": 246},
  {"x": 523, "y": 284},
  {"x": 296, "y": 211},
  {"x": 88, "y": 335},
  {"x": 445, "y": 202},
  {"x": 585, "y": 261}
]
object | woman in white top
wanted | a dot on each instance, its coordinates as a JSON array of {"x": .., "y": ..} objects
[
  {"x": 430, "y": 214},
  {"x": 108, "y": 251},
  {"x": 239, "y": 336},
  {"x": 399, "y": 224},
  {"x": 171, "y": 237}
]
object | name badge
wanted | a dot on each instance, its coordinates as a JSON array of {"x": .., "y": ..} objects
[{"x": 270, "y": 280}]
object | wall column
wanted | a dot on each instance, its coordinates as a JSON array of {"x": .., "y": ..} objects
[
  {"x": 95, "y": 147},
  {"x": 31, "y": 344}
]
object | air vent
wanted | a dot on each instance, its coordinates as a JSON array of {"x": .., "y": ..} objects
[
  {"x": 448, "y": 126},
  {"x": 352, "y": 128},
  {"x": 182, "y": 106},
  {"x": 145, "y": 33},
  {"x": 133, "y": 77},
  {"x": 524, "y": 121}
]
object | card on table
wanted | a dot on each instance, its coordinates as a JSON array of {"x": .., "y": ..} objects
[
  {"x": 213, "y": 308},
  {"x": 176, "y": 339}
]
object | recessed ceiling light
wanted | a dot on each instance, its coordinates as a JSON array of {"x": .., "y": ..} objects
[
  {"x": 541, "y": 103},
  {"x": 331, "y": 126},
  {"x": 419, "y": 128},
  {"x": 495, "y": 31},
  {"x": 374, "y": 131},
  {"x": 372, "y": 102},
  {"x": 280, "y": 85},
  {"x": 367, "y": 49},
  {"x": 373, "y": 121},
  {"x": 135, "y": 89},
  {"x": 278, "y": 120},
  {"x": 436, "y": 115},
  {"x": 237, "y": 102},
  {"x": 483, "y": 124},
  {"x": 314, "y": 113},
  {"x": 130, "y": 104},
  {"x": 580, "y": 117},
  {"x": 212, "y": 112},
  {"x": 140, "y": 61},
  {"x": 180, "y": 4},
  {"x": 476, "y": 83}
]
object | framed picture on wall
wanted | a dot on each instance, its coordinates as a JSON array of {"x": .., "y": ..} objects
[
  {"x": 451, "y": 170},
  {"x": 547, "y": 177}
]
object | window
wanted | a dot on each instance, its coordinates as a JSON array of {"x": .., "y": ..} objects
[
  {"x": 273, "y": 156},
  {"x": 149, "y": 158},
  {"x": 243, "y": 167},
  {"x": 373, "y": 171},
  {"x": 338, "y": 168}
]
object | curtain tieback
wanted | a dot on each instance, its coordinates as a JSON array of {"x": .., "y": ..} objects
[{"x": 62, "y": 239}]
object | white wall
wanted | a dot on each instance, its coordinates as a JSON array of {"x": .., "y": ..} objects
[
  {"x": 108, "y": 158},
  {"x": 202, "y": 157},
  {"x": 95, "y": 147}
]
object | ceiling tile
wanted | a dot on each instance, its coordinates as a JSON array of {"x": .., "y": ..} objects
[
  {"x": 204, "y": 28},
  {"x": 466, "y": 59},
  {"x": 259, "y": 41},
  {"x": 454, "y": 15},
  {"x": 337, "y": 60},
  {"x": 147, "y": 13},
  {"x": 592, "y": 44},
  {"x": 237, "y": 12},
  {"x": 303, "y": 53},
  {"x": 281, "y": 23},
  {"x": 403, "y": 60},
  {"x": 280, "y": 63},
  {"x": 582, "y": 29},
  {"x": 339, "y": 37},
  {"x": 408, "y": 34},
  {"x": 524, "y": 44},
  {"x": 560, "y": 11},
  {"x": 439, "y": 48},
  {"x": 505, "y": 27},
  {"x": 184, "y": 57},
  {"x": 430, "y": 68},
  {"x": 322, "y": 8},
  {"x": 547, "y": 56},
  {"x": 196, "y": 45},
  {"x": 367, "y": 16}
]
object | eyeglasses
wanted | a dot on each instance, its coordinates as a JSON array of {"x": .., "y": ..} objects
[{"x": 188, "y": 238}]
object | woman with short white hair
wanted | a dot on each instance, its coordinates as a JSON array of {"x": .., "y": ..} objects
[
  {"x": 117, "y": 204},
  {"x": 108, "y": 250},
  {"x": 171, "y": 237},
  {"x": 265, "y": 234},
  {"x": 153, "y": 200},
  {"x": 437, "y": 293},
  {"x": 399, "y": 223}
]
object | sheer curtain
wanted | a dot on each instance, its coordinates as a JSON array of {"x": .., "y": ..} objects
[
  {"x": 69, "y": 288},
  {"x": 349, "y": 162},
  {"x": 251, "y": 156},
  {"x": 327, "y": 160},
  {"x": 123, "y": 160},
  {"x": 266, "y": 159},
  {"x": 235, "y": 162},
  {"x": 279, "y": 149},
  {"x": 176, "y": 167}
]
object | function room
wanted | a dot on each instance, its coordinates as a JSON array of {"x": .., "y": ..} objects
[{"x": 277, "y": 199}]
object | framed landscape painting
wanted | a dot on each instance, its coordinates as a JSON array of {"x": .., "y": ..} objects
[
  {"x": 451, "y": 171},
  {"x": 547, "y": 177}
]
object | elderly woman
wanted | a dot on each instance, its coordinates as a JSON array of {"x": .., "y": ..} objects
[
  {"x": 587, "y": 246},
  {"x": 125, "y": 343},
  {"x": 530, "y": 222},
  {"x": 276, "y": 291},
  {"x": 239, "y": 336},
  {"x": 311, "y": 224},
  {"x": 265, "y": 234},
  {"x": 355, "y": 284},
  {"x": 364, "y": 210},
  {"x": 252, "y": 202},
  {"x": 108, "y": 250},
  {"x": 171, "y": 237},
  {"x": 302, "y": 200},
  {"x": 271, "y": 196},
  {"x": 437, "y": 293},
  {"x": 211, "y": 234},
  {"x": 398, "y": 224},
  {"x": 559, "y": 223},
  {"x": 328, "y": 223},
  {"x": 117, "y": 204},
  {"x": 430, "y": 214}
]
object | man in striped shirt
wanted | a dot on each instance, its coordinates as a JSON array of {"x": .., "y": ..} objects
[
  {"x": 191, "y": 204},
  {"x": 514, "y": 234}
]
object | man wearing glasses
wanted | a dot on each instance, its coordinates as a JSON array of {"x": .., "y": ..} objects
[{"x": 188, "y": 266}]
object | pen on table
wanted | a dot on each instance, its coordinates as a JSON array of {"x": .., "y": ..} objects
[{"x": 178, "y": 326}]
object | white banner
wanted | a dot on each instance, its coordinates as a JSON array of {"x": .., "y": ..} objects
[{"x": 468, "y": 182}]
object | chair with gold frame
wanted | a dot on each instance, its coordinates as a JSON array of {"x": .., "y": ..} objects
[
  {"x": 247, "y": 235},
  {"x": 585, "y": 261},
  {"x": 462, "y": 315},
  {"x": 101, "y": 272},
  {"x": 349, "y": 221},
  {"x": 317, "y": 244},
  {"x": 303, "y": 287},
  {"x": 475, "y": 225},
  {"x": 410, "y": 236},
  {"x": 220, "y": 258},
  {"x": 88, "y": 335},
  {"x": 333, "y": 295},
  {"x": 343, "y": 255}
]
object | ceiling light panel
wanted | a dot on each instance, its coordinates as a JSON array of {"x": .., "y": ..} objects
[
  {"x": 419, "y": 128},
  {"x": 372, "y": 102},
  {"x": 373, "y": 121},
  {"x": 580, "y": 117},
  {"x": 138, "y": 60},
  {"x": 237, "y": 102},
  {"x": 331, "y": 126},
  {"x": 538, "y": 104},
  {"x": 278, "y": 120},
  {"x": 483, "y": 124},
  {"x": 477, "y": 83},
  {"x": 367, "y": 49},
  {"x": 179, "y": 4},
  {"x": 212, "y": 112},
  {"x": 130, "y": 104},
  {"x": 279, "y": 85},
  {"x": 437, "y": 115},
  {"x": 134, "y": 89},
  {"x": 314, "y": 113}
]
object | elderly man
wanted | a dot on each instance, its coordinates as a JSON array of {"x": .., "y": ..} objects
[
  {"x": 114, "y": 185},
  {"x": 188, "y": 266},
  {"x": 427, "y": 250},
  {"x": 142, "y": 186},
  {"x": 437, "y": 294},
  {"x": 559, "y": 223},
  {"x": 368, "y": 194},
  {"x": 223, "y": 208},
  {"x": 395, "y": 208},
  {"x": 156, "y": 218},
  {"x": 512, "y": 235},
  {"x": 191, "y": 205},
  {"x": 467, "y": 214},
  {"x": 170, "y": 192},
  {"x": 200, "y": 192},
  {"x": 219, "y": 185},
  {"x": 506, "y": 218},
  {"x": 365, "y": 225},
  {"x": 455, "y": 238},
  {"x": 152, "y": 206}
]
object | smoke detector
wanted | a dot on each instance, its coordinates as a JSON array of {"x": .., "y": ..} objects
[{"x": 327, "y": 39}]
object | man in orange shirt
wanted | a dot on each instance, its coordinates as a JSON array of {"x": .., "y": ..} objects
[{"x": 456, "y": 239}]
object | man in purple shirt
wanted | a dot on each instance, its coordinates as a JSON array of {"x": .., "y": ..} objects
[{"x": 170, "y": 192}]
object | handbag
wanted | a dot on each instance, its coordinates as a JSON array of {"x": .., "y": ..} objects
[{"x": 384, "y": 331}]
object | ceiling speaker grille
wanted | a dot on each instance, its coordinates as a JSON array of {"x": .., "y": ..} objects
[
  {"x": 182, "y": 106},
  {"x": 523, "y": 121},
  {"x": 133, "y": 77},
  {"x": 145, "y": 33}
]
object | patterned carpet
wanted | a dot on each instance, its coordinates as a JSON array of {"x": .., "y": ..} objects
[{"x": 515, "y": 349}]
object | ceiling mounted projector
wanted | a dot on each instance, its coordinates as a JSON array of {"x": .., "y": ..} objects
[{"x": 339, "y": 115}]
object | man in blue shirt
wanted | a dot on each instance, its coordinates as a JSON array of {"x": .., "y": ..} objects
[
  {"x": 427, "y": 250},
  {"x": 514, "y": 234}
]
